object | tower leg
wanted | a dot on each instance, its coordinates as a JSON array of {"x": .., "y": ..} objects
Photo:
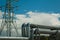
[{"x": 15, "y": 28}]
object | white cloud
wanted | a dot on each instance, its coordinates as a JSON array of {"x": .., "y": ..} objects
[{"x": 40, "y": 18}]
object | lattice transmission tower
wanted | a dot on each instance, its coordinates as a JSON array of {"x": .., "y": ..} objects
[{"x": 8, "y": 19}]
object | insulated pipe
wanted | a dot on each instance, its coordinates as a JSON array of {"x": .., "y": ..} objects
[
  {"x": 44, "y": 27},
  {"x": 14, "y": 38},
  {"x": 47, "y": 31}
]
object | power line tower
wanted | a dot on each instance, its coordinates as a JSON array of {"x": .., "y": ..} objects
[{"x": 8, "y": 18}]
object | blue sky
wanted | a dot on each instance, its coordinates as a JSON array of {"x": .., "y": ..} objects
[{"x": 36, "y": 5}]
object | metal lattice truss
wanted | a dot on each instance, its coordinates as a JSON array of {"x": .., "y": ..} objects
[{"x": 8, "y": 19}]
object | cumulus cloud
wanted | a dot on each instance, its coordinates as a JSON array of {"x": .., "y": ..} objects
[{"x": 40, "y": 18}]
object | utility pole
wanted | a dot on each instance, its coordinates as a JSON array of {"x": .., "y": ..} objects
[{"x": 8, "y": 19}]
